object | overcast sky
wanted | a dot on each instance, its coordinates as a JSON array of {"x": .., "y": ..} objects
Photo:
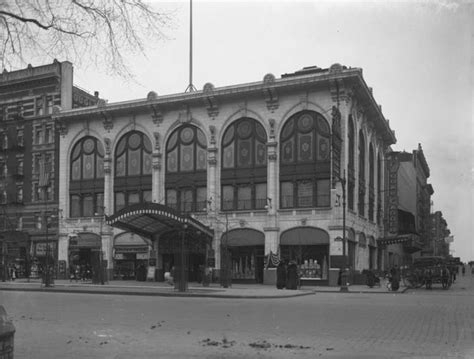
[{"x": 416, "y": 56}]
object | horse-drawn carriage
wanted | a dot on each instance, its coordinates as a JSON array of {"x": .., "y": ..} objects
[{"x": 428, "y": 271}]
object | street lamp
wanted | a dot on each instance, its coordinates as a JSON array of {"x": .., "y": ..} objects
[
  {"x": 344, "y": 273},
  {"x": 101, "y": 253},
  {"x": 225, "y": 280}
]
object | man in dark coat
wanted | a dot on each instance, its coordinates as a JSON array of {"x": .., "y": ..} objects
[
  {"x": 281, "y": 275},
  {"x": 292, "y": 276},
  {"x": 395, "y": 278}
]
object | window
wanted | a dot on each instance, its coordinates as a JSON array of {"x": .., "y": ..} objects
[
  {"x": 133, "y": 169},
  {"x": 48, "y": 134},
  {"x": 305, "y": 194},
  {"x": 86, "y": 204},
  {"x": 244, "y": 197},
  {"x": 244, "y": 166},
  {"x": 4, "y": 197},
  {"x": 19, "y": 223},
  {"x": 19, "y": 194},
  {"x": 20, "y": 138},
  {"x": 39, "y": 135},
  {"x": 19, "y": 166},
  {"x": 287, "y": 195},
  {"x": 351, "y": 169},
  {"x": 361, "y": 174},
  {"x": 86, "y": 187},
  {"x": 227, "y": 197},
  {"x": 39, "y": 106},
  {"x": 5, "y": 141},
  {"x": 305, "y": 161},
  {"x": 38, "y": 221},
  {"x": 186, "y": 169}
]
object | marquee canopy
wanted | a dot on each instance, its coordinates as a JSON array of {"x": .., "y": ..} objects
[{"x": 151, "y": 219}]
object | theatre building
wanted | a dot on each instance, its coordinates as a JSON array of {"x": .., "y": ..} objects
[{"x": 236, "y": 178}]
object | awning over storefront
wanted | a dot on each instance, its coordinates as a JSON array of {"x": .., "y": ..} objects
[
  {"x": 84, "y": 240},
  {"x": 411, "y": 242},
  {"x": 151, "y": 219},
  {"x": 131, "y": 243},
  {"x": 244, "y": 238},
  {"x": 304, "y": 236}
]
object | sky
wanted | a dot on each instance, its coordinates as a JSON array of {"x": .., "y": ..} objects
[{"x": 417, "y": 57}]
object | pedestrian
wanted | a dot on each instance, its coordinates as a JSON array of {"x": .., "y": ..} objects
[
  {"x": 394, "y": 278},
  {"x": 292, "y": 276},
  {"x": 281, "y": 275},
  {"x": 463, "y": 270}
]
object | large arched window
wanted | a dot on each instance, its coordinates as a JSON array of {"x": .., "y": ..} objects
[
  {"x": 186, "y": 169},
  {"x": 133, "y": 168},
  {"x": 351, "y": 166},
  {"x": 244, "y": 166},
  {"x": 86, "y": 187},
  {"x": 379, "y": 189},
  {"x": 305, "y": 161},
  {"x": 371, "y": 183},
  {"x": 361, "y": 174}
]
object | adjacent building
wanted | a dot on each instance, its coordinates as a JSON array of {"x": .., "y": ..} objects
[
  {"x": 408, "y": 206},
  {"x": 236, "y": 176},
  {"x": 440, "y": 236},
  {"x": 29, "y": 166}
]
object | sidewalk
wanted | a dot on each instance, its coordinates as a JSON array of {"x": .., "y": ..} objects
[{"x": 256, "y": 291}]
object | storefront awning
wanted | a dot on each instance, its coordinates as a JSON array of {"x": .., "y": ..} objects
[
  {"x": 411, "y": 242},
  {"x": 244, "y": 238},
  {"x": 84, "y": 240},
  {"x": 151, "y": 219},
  {"x": 304, "y": 236}
]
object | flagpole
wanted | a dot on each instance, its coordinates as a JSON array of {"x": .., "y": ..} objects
[{"x": 190, "y": 87}]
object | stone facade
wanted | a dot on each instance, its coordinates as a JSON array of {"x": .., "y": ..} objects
[{"x": 337, "y": 97}]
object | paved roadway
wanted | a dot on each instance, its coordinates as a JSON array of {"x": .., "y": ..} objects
[{"x": 416, "y": 324}]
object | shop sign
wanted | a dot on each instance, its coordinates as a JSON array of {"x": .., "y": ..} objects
[
  {"x": 42, "y": 248},
  {"x": 142, "y": 255},
  {"x": 118, "y": 256},
  {"x": 393, "y": 194}
]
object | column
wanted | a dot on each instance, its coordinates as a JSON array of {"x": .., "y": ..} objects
[
  {"x": 107, "y": 244},
  {"x": 156, "y": 178}
]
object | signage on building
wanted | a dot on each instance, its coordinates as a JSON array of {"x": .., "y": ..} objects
[
  {"x": 142, "y": 255},
  {"x": 393, "y": 166}
]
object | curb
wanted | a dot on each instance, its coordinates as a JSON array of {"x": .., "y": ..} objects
[
  {"x": 154, "y": 294},
  {"x": 362, "y": 291}
]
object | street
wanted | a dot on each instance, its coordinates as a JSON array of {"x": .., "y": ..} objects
[{"x": 416, "y": 324}]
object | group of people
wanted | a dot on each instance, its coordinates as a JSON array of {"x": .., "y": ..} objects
[
  {"x": 80, "y": 272},
  {"x": 287, "y": 275}
]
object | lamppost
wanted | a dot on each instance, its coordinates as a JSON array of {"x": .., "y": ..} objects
[
  {"x": 101, "y": 253},
  {"x": 182, "y": 283},
  {"x": 344, "y": 273},
  {"x": 225, "y": 255}
]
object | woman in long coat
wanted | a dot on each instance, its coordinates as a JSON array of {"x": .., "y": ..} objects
[
  {"x": 281, "y": 275},
  {"x": 292, "y": 276}
]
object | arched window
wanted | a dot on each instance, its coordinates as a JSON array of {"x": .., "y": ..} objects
[
  {"x": 244, "y": 166},
  {"x": 361, "y": 174},
  {"x": 305, "y": 161},
  {"x": 379, "y": 189},
  {"x": 86, "y": 187},
  {"x": 351, "y": 166},
  {"x": 186, "y": 169},
  {"x": 133, "y": 168},
  {"x": 371, "y": 183}
]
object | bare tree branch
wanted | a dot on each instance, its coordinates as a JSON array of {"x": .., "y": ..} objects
[{"x": 98, "y": 32}]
